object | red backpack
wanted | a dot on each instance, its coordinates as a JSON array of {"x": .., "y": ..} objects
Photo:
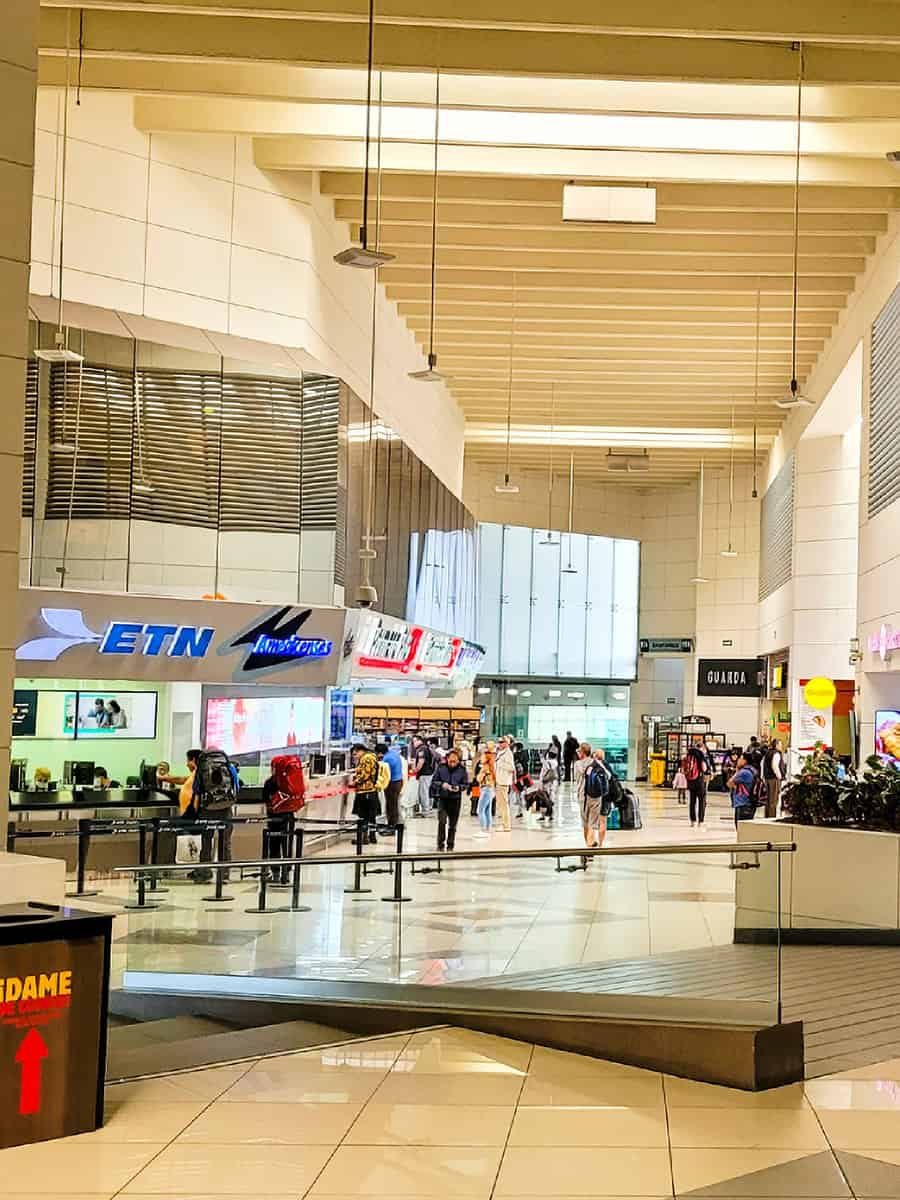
[
  {"x": 290, "y": 795},
  {"x": 691, "y": 767}
]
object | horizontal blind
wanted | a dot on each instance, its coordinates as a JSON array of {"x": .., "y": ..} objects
[
  {"x": 261, "y": 449},
  {"x": 89, "y": 472},
  {"x": 29, "y": 441},
  {"x": 177, "y": 446},
  {"x": 776, "y": 539},
  {"x": 321, "y": 415},
  {"x": 884, "y": 408}
]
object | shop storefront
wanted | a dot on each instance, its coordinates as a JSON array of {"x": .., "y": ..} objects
[{"x": 109, "y": 686}]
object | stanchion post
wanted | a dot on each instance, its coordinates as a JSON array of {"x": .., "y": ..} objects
[
  {"x": 398, "y": 897},
  {"x": 141, "y": 878},
  {"x": 264, "y": 881},
  {"x": 11, "y": 837},
  {"x": 84, "y": 830},
  {"x": 357, "y": 888},
  {"x": 154, "y": 855},
  {"x": 220, "y": 869},
  {"x": 296, "y": 906}
]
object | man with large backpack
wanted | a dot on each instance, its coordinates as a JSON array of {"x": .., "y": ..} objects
[
  {"x": 215, "y": 790},
  {"x": 597, "y": 802},
  {"x": 284, "y": 795},
  {"x": 697, "y": 769}
]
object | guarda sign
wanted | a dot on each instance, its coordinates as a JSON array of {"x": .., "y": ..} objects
[{"x": 730, "y": 677}]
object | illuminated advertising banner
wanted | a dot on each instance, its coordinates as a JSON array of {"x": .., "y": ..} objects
[{"x": 388, "y": 649}]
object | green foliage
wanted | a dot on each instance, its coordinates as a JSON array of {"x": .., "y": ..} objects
[{"x": 818, "y": 797}]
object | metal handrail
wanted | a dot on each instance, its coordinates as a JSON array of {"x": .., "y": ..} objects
[{"x": 329, "y": 860}]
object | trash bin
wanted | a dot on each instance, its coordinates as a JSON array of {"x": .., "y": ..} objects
[
  {"x": 54, "y": 989},
  {"x": 657, "y": 769}
]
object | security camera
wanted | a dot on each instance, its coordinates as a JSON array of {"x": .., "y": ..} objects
[{"x": 366, "y": 596}]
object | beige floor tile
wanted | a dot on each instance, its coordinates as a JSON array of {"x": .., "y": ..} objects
[
  {"x": 268, "y": 1083},
  {"x": 141, "y": 1121},
  {"x": 440, "y": 1050},
  {"x": 701, "y": 1168},
  {"x": 633, "y": 1127},
  {"x": 204, "y": 1084},
  {"x": 488, "y": 1089},
  {"x": 561, "y": 1066},
  {"x": 864, "y": 1129},
  {"x": 431, "y": 1125},
  {"x": 890, "y": 1070},
  {"x": 687, "y": 1093},
  {"x": 189, "y": 1169},
  {"x": 409, "y": 1171},
  {"x": 54, "y": 1168},
  {"x": 760, "y": 1128},
  {"x": 594, "y": 1091},
  {"x": 273, "y": 1124},
  {"x": 858, "y": 1094},
  {"x": 889, "y": 1154},
  {"x": 583, "y": 1171}
]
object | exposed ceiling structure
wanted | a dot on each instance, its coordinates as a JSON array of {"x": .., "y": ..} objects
[{"x": 644, "y": 336}]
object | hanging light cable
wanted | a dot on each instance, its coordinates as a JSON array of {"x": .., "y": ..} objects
[
  {"x": 700, "y": 577},
  {"x": 755, "y": 492},
  {"x": 731, "y": 552},
  {"x": 60, "y": 352},
  {"x": 432, "y": 374},
  {"x": 549, "y": 540},
  {"x": 507, "y": 488},
  {"x": 569, "y": 569},
  {"x": 362, "y": 256},
  {"x": 795, "y": 400}
]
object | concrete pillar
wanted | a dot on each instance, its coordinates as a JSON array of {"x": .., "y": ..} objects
[{"x": 18, "y": 85}]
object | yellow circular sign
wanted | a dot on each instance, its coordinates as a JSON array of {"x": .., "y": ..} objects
[{"x": 820, "y": 692}]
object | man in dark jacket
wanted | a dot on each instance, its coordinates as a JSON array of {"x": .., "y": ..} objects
[
  {"x": 449, "y": 782},
  {"x": 570, "y": 749}
]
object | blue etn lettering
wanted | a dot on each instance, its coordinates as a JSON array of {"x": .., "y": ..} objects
[
  {"x": 155, "y": 637},
  {"x": 120, "y": 637},
  {"x": 190, "y": 642}
]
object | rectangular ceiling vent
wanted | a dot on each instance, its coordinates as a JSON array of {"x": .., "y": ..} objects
[{"x": 599, "y": 204}]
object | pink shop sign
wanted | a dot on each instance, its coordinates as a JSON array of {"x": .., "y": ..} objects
[{"x": 884, "y": 641}]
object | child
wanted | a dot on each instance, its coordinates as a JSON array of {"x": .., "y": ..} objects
[{"x": 679, "y": 783}]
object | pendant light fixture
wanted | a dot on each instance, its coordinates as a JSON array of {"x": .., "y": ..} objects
[
  {"x": 570, "y": 569},
  {"x": 755, "y": 492},
  {"x": 700, "y": 577},
  {"x": 361, "y": 256},
  {"x": 431, "y": 374},
  {"x": 730, "y": 552},
  {"x": 506, "y": 488},
  {"x": 549, "y": 540},
  {"x": 794, "y": 398}
]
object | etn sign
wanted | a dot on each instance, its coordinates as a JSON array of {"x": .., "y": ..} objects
[{"x": 175, "y": 641}]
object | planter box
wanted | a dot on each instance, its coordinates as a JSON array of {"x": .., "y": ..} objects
[{"x": 845, "y": 880}]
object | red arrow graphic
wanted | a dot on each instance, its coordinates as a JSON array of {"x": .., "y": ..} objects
[{"x": 30, "y": 1054}]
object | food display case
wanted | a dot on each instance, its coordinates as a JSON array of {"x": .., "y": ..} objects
[{"x": 443, "y": 723}]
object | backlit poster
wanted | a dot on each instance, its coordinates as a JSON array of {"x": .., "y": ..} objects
[{"x": 245, "y": 724}]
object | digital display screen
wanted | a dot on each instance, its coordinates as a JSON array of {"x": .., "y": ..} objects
[
  {"x": 246, "y": 724},
  {"x": 109, "y": 715},
  {"x": 887, "y": 736}
]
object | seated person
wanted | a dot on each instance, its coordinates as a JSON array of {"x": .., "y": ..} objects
[{"x": 102, "y": 781}]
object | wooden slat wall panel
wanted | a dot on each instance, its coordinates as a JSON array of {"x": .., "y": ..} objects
[
  {"x": 884, "y": 408},
  {"x": 29, "y": 441},
  {"x": 777, "y": 531}
]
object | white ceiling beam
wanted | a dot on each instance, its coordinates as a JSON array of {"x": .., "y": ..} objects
[
  {"x": 336, "y": 41},
  {"x": 291, "y": 153},
  {"x": 828, "y": 21}
]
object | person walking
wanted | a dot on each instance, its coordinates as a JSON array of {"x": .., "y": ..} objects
[
  {"x": 505, "y": 776},
  {"x": 570, "y": 750},
  {"x": 595, "y": 804},
  {"x": 393, "y": 760},
  {"x": 486, "y": 779},
  {"x": 742, "y": 785},
  {"x": 450, "y": 781},
  {"x": 422, "y": 766},
  {"x": 774, "y": 771},
  {"x": 366, "y": 806},
  {"x": 550, "y": 777},
  {"x": 696, "y": 768}
]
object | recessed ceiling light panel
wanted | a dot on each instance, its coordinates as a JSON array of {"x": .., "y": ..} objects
[{"x": 596, "y": 204}]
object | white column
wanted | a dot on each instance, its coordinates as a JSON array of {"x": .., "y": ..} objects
[{"x": 18, "y": 82}]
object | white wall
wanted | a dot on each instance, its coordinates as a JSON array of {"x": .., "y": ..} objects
[{"x": 186, "y": 231}]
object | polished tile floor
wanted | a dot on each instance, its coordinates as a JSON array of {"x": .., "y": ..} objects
[
  {"x": 472, "y": 922},
  {"x": 447, "y": 1112}
]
